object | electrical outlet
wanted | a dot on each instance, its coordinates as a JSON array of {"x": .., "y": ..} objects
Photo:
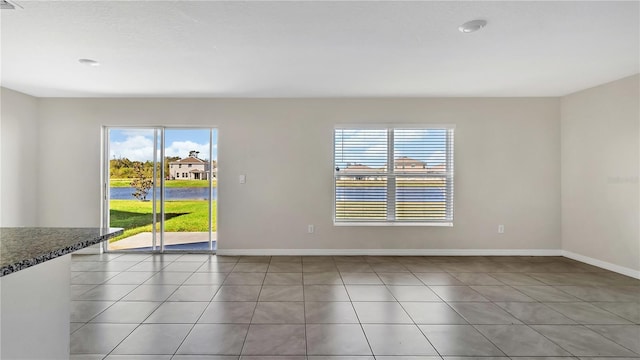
[
  {"x": 500, "y": 229},
  {"x": 311, "y": 229}
]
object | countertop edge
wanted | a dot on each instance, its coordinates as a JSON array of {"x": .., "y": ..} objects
[{"x": 21, "y": 265}]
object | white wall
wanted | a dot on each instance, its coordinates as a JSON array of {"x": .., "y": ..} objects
[
  {"x": 507, "y": 168},
  {"x": 506, "y": 162},
  {"x": 600, "y": 168},
  {"x": 19, "y": 159}
]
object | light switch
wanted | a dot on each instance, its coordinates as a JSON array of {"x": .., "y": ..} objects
[{"x": 242, "y": 179}]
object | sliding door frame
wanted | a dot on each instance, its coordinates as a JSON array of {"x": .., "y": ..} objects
[{"x": 158, "y": 190}]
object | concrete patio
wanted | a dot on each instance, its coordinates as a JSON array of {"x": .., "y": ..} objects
[{"x": 145, "y": 240}]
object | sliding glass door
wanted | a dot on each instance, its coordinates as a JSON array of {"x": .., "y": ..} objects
[{"x": 161, "y": 187}]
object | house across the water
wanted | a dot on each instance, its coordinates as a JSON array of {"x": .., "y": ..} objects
[
  {"x": 403, "y": 164},
  {"x": 191, "y": 168}
]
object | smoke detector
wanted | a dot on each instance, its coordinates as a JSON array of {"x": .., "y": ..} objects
[
  {"x": 89, "y": 62},
  {"x": 472, "y": 26}
]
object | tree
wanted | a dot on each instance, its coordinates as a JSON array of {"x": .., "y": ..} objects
[
  {"x": 141, "y": 182},
  {"x": 167, "y": 160}
]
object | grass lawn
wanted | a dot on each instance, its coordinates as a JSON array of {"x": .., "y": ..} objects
[
  {"x": 377, "y": 210},
  {"x": 136, "y": 216},
  {"x": 168, "y": 183}
]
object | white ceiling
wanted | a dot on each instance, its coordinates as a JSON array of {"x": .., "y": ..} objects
[{"x": 316, "y": 49}]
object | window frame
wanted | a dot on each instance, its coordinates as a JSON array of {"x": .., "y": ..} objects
[{"x": 391, "y": 176}]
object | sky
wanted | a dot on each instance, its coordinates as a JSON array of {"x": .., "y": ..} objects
[
  {"x": 137, "y": 144},
  {"x": 369, "y": 146},
  {"x": 351, "y": 146}
]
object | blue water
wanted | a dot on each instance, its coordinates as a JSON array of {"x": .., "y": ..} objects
[
  {"x": 191, "y": 193},
  {"x": 379, "y": 193},
  {"x": 343, "y": 193}
]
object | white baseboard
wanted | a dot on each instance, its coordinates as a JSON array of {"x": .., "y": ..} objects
[
  {"x": 602, "y": 264},
  {"x": 390, "y": 252}
]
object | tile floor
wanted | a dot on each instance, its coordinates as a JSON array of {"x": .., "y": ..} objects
[{"x": 139, "y": 306}]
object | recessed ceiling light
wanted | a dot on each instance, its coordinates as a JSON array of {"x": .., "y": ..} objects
[
  {"x": 472, "y": 26},
  {"x": 88, "y": 62}
]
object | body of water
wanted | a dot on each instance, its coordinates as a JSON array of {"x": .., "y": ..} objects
[
  {"x": 178, "y": 193},
  {"x": 343, "y": 193},
  {"x": 379, "y": 193}
]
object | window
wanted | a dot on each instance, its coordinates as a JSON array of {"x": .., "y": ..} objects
[
  {"x": 373, "y": 183},
  {"x": 189, "y": 165}
]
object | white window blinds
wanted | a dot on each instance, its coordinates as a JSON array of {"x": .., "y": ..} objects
[{"x": 393, "y": 175}]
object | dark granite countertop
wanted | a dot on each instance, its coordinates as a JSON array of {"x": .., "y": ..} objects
[{"x": 21, "y": 248}]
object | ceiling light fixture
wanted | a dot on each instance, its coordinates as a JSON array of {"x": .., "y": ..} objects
[
  {"x": 472, "y": 26},
  {"x": 88, "y": 62}
]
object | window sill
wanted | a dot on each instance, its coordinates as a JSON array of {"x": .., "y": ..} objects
[{"x": 442, "y": 224}]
